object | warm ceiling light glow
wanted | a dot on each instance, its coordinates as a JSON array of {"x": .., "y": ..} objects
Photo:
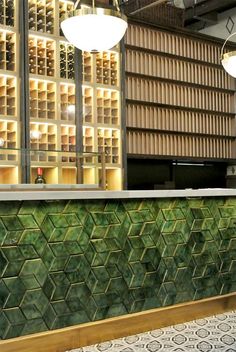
[
  {"x": 71, "y": 109},
  {"x": 35, "y": 134},
  {"x": 94, "y": 29},
  {"x": 228, "y": 59}
]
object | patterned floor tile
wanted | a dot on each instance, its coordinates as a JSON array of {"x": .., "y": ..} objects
[{"x": 212, "y": 334}]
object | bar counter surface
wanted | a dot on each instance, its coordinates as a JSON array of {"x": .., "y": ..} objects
[
  {"x": 69, "y": 257},
  {"x": 47, "y": 192}
]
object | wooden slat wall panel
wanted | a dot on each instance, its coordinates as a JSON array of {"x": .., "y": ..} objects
[
  {"x": 180, "y": 101},
  {"x": 160, "y": 144}
]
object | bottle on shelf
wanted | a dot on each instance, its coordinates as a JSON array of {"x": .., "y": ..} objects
[{"x": 39, "y": 179}]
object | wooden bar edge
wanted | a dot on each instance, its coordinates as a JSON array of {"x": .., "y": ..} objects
[{"x": 62, "y": 340}]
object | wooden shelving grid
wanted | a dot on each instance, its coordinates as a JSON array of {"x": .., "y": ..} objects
[
  {"x": 179, "y": 100},
  {"x": 53, "y": 98}
]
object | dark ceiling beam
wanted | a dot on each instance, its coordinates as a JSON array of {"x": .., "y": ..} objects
[{"x": 208, "y": 6}]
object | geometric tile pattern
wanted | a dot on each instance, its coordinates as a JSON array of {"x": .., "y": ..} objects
[
  {"x": 68, "y": 262},
  {"x": 216, "y": 333}
]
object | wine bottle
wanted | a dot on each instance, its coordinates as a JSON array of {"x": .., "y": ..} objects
[{"x": 39, "y": 179}]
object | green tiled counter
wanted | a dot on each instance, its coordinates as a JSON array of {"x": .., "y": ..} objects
[{"x": 65, "y": 262}]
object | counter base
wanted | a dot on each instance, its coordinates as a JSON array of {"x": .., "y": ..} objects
[{"x": 91, "y": 333}]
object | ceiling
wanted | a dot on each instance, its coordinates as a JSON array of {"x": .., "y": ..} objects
[{"x": 193, "y": 14}]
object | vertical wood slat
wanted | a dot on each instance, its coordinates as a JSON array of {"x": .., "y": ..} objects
[{"x": 171, "y": 93}]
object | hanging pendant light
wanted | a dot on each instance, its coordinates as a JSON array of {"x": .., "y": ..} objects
[
  {"x": 228, "y": 60},
  {"x": 94, "y": 28}
]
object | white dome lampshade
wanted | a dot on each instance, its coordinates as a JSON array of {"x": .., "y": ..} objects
[
  {"x": 94, "y": 29},
  {"x": 229, "y": 63},
  {"x": 228, "y": 60}
]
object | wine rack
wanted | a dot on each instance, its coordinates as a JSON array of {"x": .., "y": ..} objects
[
  {"x": 68, "y": 138},
  {"x": 67, "y": 101},
  {"x": 7, "y": 50},
  {"x": 88, "y": 139},
  {"x": 43, "y": 136},
  {"x": 42, "y": 99},
  {"x": 41, "y": 16},
  {"x": 53, "y": 93},
  {"x": 8, "y": 95},
  {"x": 107, "y": 107},
  {"x": 180, "y": 101},
  {"x": 64, "y": 8},
  {"x": 8, "y": 134},
  {"x": 107, "y": 68},
  {"x": 41, "y": 56},
  {"x": 7, "y": 12},
  {"x": 108, "y": 143},
  {"x": 87, "y": 64},
  {"x": 87, "y": 105},
  {"x": 88, "y": 143},
  {"x": 67, "y": 61}
]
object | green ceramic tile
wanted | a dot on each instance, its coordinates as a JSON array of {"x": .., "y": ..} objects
[
  {"x": 49, "y": 317},
  {"x": 58, "y": 263},
  {"x": 34, "y": 326},
  {"x": 47, "y": 227},
  {"x": 4, "y": 326},
  {"x": 30, "y": 282},
  {"x": 79, "y": 291},
  {"x": 3, "y": 263},
  {"x": 111, "y": 244},
  {"x": 11, "y": 223},
  {"x": 113, "y": 271},
  {"x": 34, "y": 237},
  {"x": 95, "y": 205},
  {"x": 49, "y": 287},
  {"x": 116, "y": 310},
  {"x": 99, "y": 245},
  {"x": 112, "y": 218},
  {"x": 4, "y": 293},
  {"x": 99, "y": 232},
  {"x": 9, "y": 208},
  {"x": 14, "y": 331},
  {"x": 72, "y": 219},
  {"x": 14, "y": 284},
  {"x": 147, "y": 229},
  {"x": 58, "y": 220},
  {"x": 28, "y": 251},
  {"x": 135, "y": 216},
  {"x": 99, "y": 259},
  {"x": 111, "y": 205},
  {"x": 28, "y": 221},
  {"x": 74, "y": 305},
  {"x": 168, "y": 214},
  {"x": 14, "y": 315},
  {"x": 58, "y": 234},
  {"x": 131, "y": 204},
  {"x": 73, "y": 233},
  {"x": 72, "y": 247},
  {"x": 168, "y": 226},
  {"x": 58, "y": 249},
  {"x": 3, "y": 232}
]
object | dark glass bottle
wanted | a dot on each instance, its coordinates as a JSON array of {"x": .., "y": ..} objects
[{"x": 39, "y": 178}]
